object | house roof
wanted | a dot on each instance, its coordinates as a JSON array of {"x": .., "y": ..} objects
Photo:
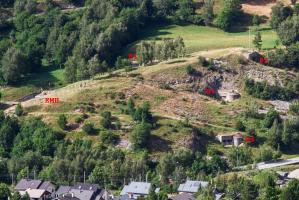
[
  {"x": 63, "y": 190},
  {"x": 238, "y": 135},
  {"x": 24, "y": 184},
  {"x": 68, "y": 197},
  {"x": 123, "y": 197},
  {"x": 136, "y": 188},
  {"x": 35, "y": 193},
  {"x": 184, "y": 196},
  {"x": 45, "y": 185},
  {"x": 82, "y": 194},
  {"x": 86, "y": 186},
  {"x": 192, "y": 186}
]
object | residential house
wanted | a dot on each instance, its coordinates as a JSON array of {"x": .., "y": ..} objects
[
  {"x": 136, "y": 189},
  {"x": 229, "y": 96},
  {"x": 81, "y": 191},
  {"x": 183, "y": 196},
  {"x": 25, "y": 184},
  {"x": 48, "y": 186},
  {"x": 232, "y": 139},
  {"x": 37, "y": 194},
  {"x": 62, "y": 190},
  {"x": 36, "y": 189},
  {"x": 192, "y": 186}
]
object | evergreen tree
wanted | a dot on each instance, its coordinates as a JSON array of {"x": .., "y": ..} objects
[
  {"x": 62, "y": 122},
  {"x": 208, "y": 12},
  {"x": 19, "y": 110},
  {"x": 13, "y": 65},
  {"x": 4, "y": 192},
  {"x": 257, "y": 41},
  {"x": 140, "y": 135},
  {"x": 70, "y": 71},
  {"x": 279, "y": 14}
]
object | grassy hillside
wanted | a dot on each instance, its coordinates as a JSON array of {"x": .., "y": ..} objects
[
  {"x": 170, "y": 107},
  {"x": 199, "y": 38}
]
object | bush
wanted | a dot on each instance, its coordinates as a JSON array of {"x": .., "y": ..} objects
[
  {"x": 106, "y": 122},
  {"x": 109, "y": 137},
  {"x": 19, "y": 110},
  {"x": 267, "y": 154},
  {"x": 140, "y": 135},
  {"x": 256, "y": 20},
  {"x": 62, "y": 121},
  {"x": 88, "y": 128},
  {"x": 294, "y": 107},
  {"x": 190, "y": 70},
  {"x": 203, "y": 61},
  {"x": 79, "y": 119},
  {"x": 240, "y": 126},
  {"x": 270, "y": 117}
]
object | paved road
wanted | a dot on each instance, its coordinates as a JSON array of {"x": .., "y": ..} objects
[{"x": 279, "y": 163}]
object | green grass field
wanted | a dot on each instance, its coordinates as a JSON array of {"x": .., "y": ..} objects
[
  {"x": 35, "y": 82},
  {"x": 204, "y": 38}
]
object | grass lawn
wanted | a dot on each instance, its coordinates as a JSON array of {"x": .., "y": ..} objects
[
  {"x": 204, "y": 38},
  {"x": 33, "y": 83}
]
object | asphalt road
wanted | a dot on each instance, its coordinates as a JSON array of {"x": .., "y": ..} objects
[{"x": 272, "y": 164}]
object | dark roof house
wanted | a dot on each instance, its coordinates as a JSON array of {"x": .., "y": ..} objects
[
  {"x": 48, "y": 186},
  {"x": 25, "y": 184},
  {"x": 86, "y": 186},
  {"x": 62, "y": 190},
  {"x": 81, "y": 191}
]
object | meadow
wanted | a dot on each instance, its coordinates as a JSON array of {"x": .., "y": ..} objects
[{"x": 199, "y": 38}]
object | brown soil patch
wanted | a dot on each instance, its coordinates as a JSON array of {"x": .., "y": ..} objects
[{"x": 260, "y": 7}]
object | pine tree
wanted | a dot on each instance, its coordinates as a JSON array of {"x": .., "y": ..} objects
[
  {"x": 208, "y": 12},
  {"x": 257, "y": 41}
]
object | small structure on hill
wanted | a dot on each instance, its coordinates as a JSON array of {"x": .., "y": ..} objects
[
  {"x": 229, "y": 96},
  {"x": 232, "y": 139},
  {"x": 192, "y": 187},
  {"x": 136, "y": 190}
]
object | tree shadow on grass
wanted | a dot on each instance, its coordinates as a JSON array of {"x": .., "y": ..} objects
[
  {"x": 159, "y": 144},
  {"x": 42, "y": 79}
]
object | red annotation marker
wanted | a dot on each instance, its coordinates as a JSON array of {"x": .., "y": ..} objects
[
  {"x": 209, "y": 91},
  {"x": 52, "y": 100},
  {"x": 249, "y": 139},
  {"x": 132, "y": 56},
  {"x": 263, "y": 60}
]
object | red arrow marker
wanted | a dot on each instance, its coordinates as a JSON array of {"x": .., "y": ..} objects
[{"x": 249, "y": 139}]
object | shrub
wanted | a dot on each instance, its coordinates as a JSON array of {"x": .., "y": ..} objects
[
  {"x": 270, "y": 117},
  {"x": 294, "y": 107},
  {"x": 256, "y": 20},
  {"x": 106, "y": 122},
  {"x": 62, "y": 121},
  {"x": 79, "y": 119},
  {"x": 88, "y": 128},
  {"x": 202, "y": 61},
  {"x": 190, "y": 70},
  {"x": 240, "y": 126},
  {"x": 140, "y": 135},
  {"x": 109, "y": 137},
  {"x": 19, "y": 110}
]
